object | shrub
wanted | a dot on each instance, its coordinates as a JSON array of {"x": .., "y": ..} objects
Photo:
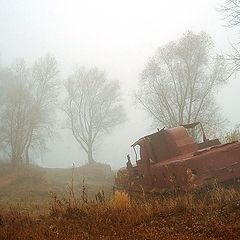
[{"x": 120, "y": 200}]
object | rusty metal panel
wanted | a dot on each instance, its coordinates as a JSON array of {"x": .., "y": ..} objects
[{"x": 170, "y": 158}]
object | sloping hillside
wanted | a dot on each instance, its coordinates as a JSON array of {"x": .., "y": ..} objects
[{"x": 31, "y": 187}]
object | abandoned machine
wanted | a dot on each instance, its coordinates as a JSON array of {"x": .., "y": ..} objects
[{"x": 171, "y": 158}]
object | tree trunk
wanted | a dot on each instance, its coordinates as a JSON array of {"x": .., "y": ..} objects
[
  {"x": 14, "y": 161},
  {"x": 90, "y": 154},
  {"x": 27, "y": 149}
]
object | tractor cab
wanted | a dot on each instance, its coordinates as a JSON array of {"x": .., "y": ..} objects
[
  {"x": 172, "y": 158},
  {"x": 168, "y": 143},
  {"x": 164, "y": 145}
]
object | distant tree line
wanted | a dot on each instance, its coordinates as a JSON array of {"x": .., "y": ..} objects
[
  {"x": 176, "y": 87},
  {"x": 29, "y": 97}
]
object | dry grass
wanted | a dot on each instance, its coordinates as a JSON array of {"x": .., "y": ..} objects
[
  {"x": 120, "y": 200},
  {"x": 28, "y": 189},
  {"x": 174, "y": 216},
  {"x": 209, "y": 213}
]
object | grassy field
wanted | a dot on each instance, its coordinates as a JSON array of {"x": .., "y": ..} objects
[
  {"x": 51, "y": 204},
  {"x": 29, "y": 190}
]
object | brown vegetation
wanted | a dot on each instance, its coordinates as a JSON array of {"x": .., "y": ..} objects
[
  {"x": 29, "y": 189},
  {"x": 210, "y": 213}
]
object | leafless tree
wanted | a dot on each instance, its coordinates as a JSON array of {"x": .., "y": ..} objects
[
  {"x": 230, "y": 11},
  {"x": 178, "y": 83},
  {"x": 92, "y": 106},
  {"x": 15, "y": 112},
  {"x": 44, "y": 88},
  {"x": 28, "y": 101},
  {"x": 4, "y": 77}
]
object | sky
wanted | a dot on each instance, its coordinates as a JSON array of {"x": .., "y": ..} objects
[{"x": 118, "y": 37}]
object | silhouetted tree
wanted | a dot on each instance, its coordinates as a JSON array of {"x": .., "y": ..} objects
[
  {"x": 177, "y": 85},
  {"x": 92, "y": 105}
]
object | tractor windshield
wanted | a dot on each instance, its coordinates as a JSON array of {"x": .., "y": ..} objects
[{"x": 136, "y": 149}]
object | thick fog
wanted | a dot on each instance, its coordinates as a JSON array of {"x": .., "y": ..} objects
[{"x": 118, "y": 37}]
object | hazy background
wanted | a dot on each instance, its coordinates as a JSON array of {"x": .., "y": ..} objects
[{"x": 118, "y": 36}]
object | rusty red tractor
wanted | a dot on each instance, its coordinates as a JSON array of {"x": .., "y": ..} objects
[{"x": 170, "y": 158}]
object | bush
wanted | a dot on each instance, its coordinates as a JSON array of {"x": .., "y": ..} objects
[{"x": 120, "y": 200}]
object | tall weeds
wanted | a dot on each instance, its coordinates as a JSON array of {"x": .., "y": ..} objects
[{"x": 121, "y": 208}]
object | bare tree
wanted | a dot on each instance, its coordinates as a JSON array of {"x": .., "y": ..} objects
[
  {"x": 92, "y": 106},
  {"x": 15, "y": 114},
  {"x": 44, "y": 88},
  {"x": 4, "y": 77},
  {"x": 178, "y": 83},
  {"x": 28, "y": 101},
  {"x": 230, "y": 11}
]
